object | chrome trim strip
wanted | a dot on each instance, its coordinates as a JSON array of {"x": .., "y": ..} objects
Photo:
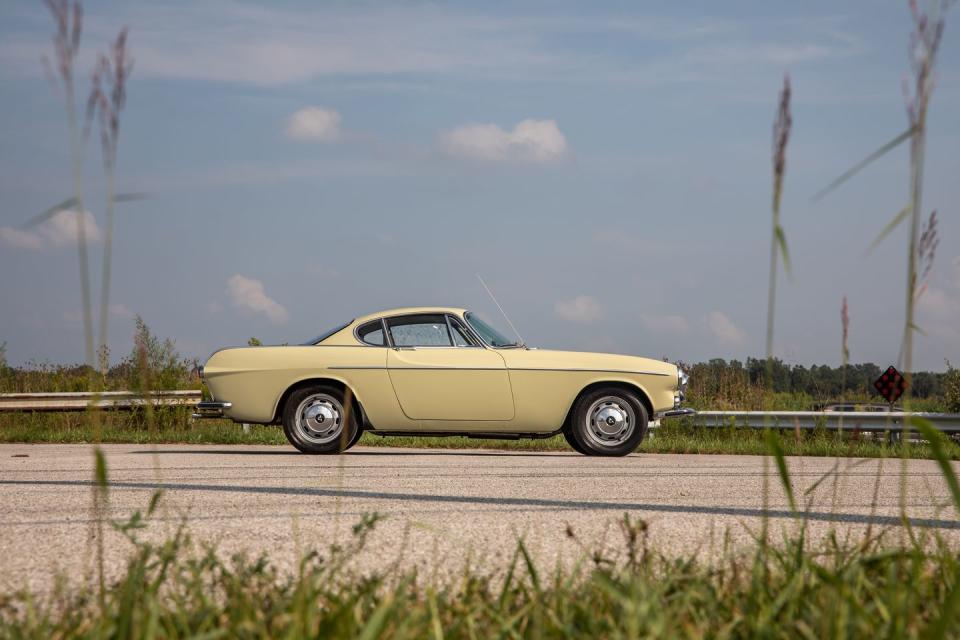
[
  {"x": 642, "y": 373},
  {"x": 372, "y": 366},
  {"x": 442, "y": 368},
  {"x": 386, "y": 332},
  {"x": 425, "y": 368}
]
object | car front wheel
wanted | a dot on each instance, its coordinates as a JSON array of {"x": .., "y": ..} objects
[
  {"x": 315, "y": 420},
  {"x": 608, "y": 422}
]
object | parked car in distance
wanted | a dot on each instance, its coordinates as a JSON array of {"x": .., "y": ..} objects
[{"x": 440, "y": 371}]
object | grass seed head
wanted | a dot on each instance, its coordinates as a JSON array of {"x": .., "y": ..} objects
[
  {"x": 68, "y": 21},
  {"x": 781, "y": 132}
]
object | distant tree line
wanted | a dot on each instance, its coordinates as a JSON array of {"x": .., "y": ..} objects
[{"x": 819, "y": 381}]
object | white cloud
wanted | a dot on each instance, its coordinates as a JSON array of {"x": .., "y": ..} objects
[
  {"x": 121, "y": 310},
  {"x": 314, "y": 124},
  {"x": 20, "y": 239},
  {"x": 582, "y": 309},
  {"x": 723, "y": 329},
  {"x": 248, "y": 294},
  {"x": 60, "y": 230},
  {"x": 665, "y": 323},
  {"x": 535, "y": 141}
]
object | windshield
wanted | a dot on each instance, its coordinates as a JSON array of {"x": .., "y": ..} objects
[
  {"x": 323, "y": 336},
  {"x": 490, "y": 335}
]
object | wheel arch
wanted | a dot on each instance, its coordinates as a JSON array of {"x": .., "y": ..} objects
[
  {"x": 312, "y": 382},
  {"x": 640, "y": 392}
]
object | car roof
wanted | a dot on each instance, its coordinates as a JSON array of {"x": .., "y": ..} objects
[{"x": 409, "y": 310}]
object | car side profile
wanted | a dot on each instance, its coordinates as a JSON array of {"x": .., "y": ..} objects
[{"x": 440, "y": 371}]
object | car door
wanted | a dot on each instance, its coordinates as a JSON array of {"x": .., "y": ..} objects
[{"x": 439, "y": 373}]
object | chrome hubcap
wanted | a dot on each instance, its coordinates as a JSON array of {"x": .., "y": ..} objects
[
  {"x": 320, "y": 418},
  {"x": 610, "y": 421}
]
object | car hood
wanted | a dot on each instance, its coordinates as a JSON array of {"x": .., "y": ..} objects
[{"x": 581, "y": 360}]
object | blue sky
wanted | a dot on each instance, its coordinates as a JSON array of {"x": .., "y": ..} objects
[{"x": 604, "y": 166}]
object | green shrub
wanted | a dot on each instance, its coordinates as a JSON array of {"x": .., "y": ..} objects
[
  {"x": 951, "y": 389},
  {"x": 154, "y": 364}
]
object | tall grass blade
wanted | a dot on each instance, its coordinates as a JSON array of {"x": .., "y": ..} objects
[
  {"x": 435, "y": 625},
  {"x": 782, "y": 241},
  {"x": 381, "y": 615},
  {"x": 531, "y": 567},
  {"x": 100, "y": 472},
  {"x": 940, "y": 627},
  {"x": 936, "y": 440},
  {"x": 773, "y": 444},
  {"x": 49, "y": 213},
  {"x": 893, "y": 224},
  {"x": 893, "y": 144},
  {"x": 154, "y": 501},
  {"x": 69, "y": 203}
]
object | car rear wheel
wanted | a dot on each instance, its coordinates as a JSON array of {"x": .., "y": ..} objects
[
  {"x": 315, "y": 420},
  {"x": 608, "y": 422},
  {"x": 356, "y": 438},
  {"x": 568, "y": 436}
]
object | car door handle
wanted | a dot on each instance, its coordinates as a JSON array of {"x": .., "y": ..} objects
[{"x": 404, "y": 348}]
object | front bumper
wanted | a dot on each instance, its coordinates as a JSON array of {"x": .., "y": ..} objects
[{"x": 211, "y": 409}]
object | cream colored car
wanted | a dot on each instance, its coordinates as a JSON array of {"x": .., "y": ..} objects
[{"x": 440, "y": 371}]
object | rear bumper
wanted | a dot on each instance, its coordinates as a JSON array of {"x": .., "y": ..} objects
[{"x": 211, "y": 409}]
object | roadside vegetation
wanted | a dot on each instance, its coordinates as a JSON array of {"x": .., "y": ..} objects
[{"x": 789, "y": 590}]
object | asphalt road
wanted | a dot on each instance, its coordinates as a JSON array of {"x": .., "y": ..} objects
[{"x": 442, "y": 508}]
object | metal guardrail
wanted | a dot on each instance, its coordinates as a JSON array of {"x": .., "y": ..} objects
[
  {"x": 79, "y": 401},
  {"x": 874, "y": 421}
]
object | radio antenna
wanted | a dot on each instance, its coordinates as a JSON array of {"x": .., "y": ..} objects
[{"x": 506, "y": 317}]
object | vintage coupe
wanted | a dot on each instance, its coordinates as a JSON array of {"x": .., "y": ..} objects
[{"x": 440, "y": 371}]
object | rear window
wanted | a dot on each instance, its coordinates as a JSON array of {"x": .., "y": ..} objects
[
  {"x": 323, "y": 336},
  {"x": 372, "y": 333}
]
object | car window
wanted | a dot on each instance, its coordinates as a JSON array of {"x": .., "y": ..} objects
[
  {"x": 426, "y": 330},
  {"x": 490, "y": 335},
  {"x": 372, "y": 333},
  {"x": 459, "y": 334},
  {"x": 323, "y": 336}
]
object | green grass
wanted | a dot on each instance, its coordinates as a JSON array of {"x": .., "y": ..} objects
[
  {"x": 176, "y": 589},
  {"x": 172, "y": 427}
]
